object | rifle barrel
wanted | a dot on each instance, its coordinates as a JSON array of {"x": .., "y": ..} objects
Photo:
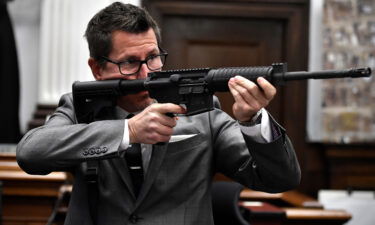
[{"x": 327, "y": 74}]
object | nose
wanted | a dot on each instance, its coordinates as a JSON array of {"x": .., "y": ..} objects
[{"x": 143, "y": 71}]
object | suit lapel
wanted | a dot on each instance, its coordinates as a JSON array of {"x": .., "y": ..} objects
[
  {"x": 158, "y": 153},
  {"x": 120, "y": 163},
  {"x": 123, "y": 171}
]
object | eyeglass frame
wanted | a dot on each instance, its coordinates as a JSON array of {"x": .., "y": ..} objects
[{"x": 141, "y": 62}]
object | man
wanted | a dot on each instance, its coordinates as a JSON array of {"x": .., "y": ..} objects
[{"x": 124, "y": 43}]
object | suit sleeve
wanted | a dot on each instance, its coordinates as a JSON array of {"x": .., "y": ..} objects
[
  {"x": 61, "y": 144},
  {"x": 271, "y": 167}
]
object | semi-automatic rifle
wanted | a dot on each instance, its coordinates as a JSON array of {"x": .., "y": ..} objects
[{"x": 193, "y": 88}]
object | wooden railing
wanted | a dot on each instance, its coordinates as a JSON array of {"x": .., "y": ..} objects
[
  {"x": 286, "y": 208},
  {"x": 27, "y": 199}
]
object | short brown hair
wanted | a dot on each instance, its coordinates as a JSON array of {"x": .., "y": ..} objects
[{"x": 117, "y": 16}]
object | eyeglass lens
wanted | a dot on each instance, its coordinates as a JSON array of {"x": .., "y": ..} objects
[{"x": 153, "y": 63}]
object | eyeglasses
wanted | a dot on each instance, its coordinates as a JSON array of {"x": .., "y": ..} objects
[{"x": 130, "y": 67}]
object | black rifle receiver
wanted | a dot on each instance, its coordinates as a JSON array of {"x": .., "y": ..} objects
[{"x": 192, "y": 87}]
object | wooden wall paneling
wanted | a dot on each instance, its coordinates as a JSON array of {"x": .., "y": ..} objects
[{"x": 351, "y": 167}]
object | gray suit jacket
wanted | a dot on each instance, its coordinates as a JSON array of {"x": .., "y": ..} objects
[{"x": 177, "y": 186}]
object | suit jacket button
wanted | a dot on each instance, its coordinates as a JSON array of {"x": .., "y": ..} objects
[
  {"x": 134, "y": 218},
  {"x": 92, "y": 151}
]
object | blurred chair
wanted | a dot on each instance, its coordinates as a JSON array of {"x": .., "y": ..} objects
[
  {"x": 226, "y": 210},
  {"x": 60, "y": 209}
]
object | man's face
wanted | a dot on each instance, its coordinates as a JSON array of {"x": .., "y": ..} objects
[{"x": 129, "y": 46}]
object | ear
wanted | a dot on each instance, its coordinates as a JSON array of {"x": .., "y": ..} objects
[{"x": 95, "y": 68}]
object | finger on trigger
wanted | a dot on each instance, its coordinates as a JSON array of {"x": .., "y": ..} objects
[{"x": 171, "y": 108}]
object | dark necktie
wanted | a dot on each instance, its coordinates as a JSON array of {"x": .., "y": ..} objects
[{"x": 133, "y": 157}]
